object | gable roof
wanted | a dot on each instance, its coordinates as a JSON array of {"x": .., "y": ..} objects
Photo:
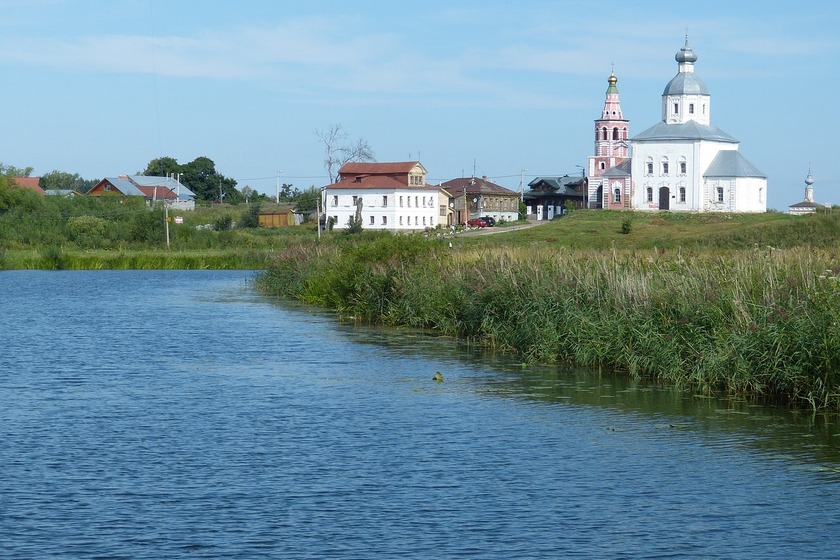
[
  {"x": 376, "y": 168},
  {"x": 376, "y": 182},
  {"x": 730, "y": 163},
  {"x": 31, "y": 183},
  {"x": 690, "y": 130},
  {"x": 482, "y": 186},
  {"x": 170, "y": 183}
]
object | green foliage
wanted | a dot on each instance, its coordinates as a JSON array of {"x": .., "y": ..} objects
[
  {"x": 60, "y": 180},
  {"x": 223, "y": 223},
  {"x": 52, "y": 258},
  {"x": 751, "y": 322},
  {"x": 86, "y": 231},
  {"x": 200, "y": 176},
  {"x": 307, "y": 200},
  {"x": 354, "y": 225},
  {"x": 626, "y": 226},
  {"x": 251, "y": 217}
]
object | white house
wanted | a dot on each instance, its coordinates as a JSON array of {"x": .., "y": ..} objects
[
  {"x": 685, "y": 163},
  {"x": 386, "y": 196}
]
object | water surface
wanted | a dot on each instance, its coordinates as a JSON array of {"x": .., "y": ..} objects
[{"x": 168, "y": 414}]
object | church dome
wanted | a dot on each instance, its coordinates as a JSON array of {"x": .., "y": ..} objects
[
  {"x": 686, "y": 54},
  {"x": 686, "y": 82}
]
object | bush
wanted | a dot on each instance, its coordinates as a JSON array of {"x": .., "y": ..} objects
[
  {"x": 223, "y": 223},
  {"x": 86, "y": 231},
  {"x": 626, "y": 226}
]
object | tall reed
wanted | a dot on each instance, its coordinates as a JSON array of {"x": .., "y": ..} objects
[{"x": 759, "y": 322}]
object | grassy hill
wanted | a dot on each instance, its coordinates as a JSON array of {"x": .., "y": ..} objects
[{"x": 605, "y": 229}]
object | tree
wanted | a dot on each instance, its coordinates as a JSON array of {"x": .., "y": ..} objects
[
  {"x": 307, "y": 200},
  {"x": 200, "y": 176},
  {"x": 12, "y": 171},
  {"x": 337, "y": 150},
  {"x": 61, "y": 180}
]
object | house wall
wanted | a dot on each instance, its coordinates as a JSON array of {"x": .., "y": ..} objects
[{"x": 385, "y": 209}]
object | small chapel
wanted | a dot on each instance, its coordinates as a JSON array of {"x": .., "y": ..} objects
[{"x": 683, "y": 163}]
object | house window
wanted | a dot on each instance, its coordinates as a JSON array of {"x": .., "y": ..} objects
[
  {"x": 385, "y": 200},
  {"x": 424, "y": 220},
  {"x": 431, "y": 221},
  {"x": 401, "y": 201},
  {"x": 676, "y": 108},
  {"x": 682, "y": 168},
  {"x": 617, "y": 196},
  {"x": 649, "y": 164},
  {"x": 384, "y": 220},
  {"x": 665, "y": 167},
  {"x": 720, "y": 194},
  {"x": 650, "y": 194},
  {"x": 409, "y": 201},
  {"x": 691, "y": 108},
  {"x": 416, "y": 221},
  {"x": 335, "y": 200},
  {"x": 401, "y": 220},
  {"x": 442, "y": 210},
  {"x": 416, "y": 202},
  {"x": 682, "y": 194},
  {"x": 371, "y": 220},
  {"x": 355, "y": 200}
]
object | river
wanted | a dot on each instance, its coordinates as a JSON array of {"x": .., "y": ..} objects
[{"x": 170, "y": 414}]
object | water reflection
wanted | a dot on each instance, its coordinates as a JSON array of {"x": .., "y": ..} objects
[{"x": 799, "y": 436}]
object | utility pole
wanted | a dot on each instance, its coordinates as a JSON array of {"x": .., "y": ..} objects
[
  {"x": 166, "y": 221},
  {"x": 278, "y": 187},
  {"x": 522, "y": 184}
]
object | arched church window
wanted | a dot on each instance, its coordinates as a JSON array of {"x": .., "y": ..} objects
[
  {"x": 617, "y": 196},
  {"x": 649, "y": 166},
  {"x": 682, "y": 194},
  {"x": 604, "y": 133},
  {"x": 683, "y": 166},
  {"x": 615, "y": 133},
  {"x": 649, "y": 194},
  {"x": 691, "y": 108},
  {"x": 664, "y": 166}
]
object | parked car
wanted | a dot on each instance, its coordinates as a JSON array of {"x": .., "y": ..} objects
[
  {"x": 491, "y": 221},
  {"x": 477, "y": 222}
]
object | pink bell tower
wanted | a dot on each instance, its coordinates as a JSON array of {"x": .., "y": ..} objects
[{"x": 612, "y": 133}]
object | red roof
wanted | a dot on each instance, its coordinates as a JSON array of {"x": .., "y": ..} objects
[
  {"x": 30, "y": 183},
  {"x": 157, "y": 192},
  {"x": 370, "y": 182},
  {"x": 374, "y": 168}
]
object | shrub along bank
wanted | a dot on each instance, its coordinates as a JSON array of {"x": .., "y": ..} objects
[{"x": 755, "y": 322}]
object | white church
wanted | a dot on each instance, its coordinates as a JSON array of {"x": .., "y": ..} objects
[{"x": 683, "y": 163}]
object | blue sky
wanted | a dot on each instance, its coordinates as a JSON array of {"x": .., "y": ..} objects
[{"x": 101, "y": 88}]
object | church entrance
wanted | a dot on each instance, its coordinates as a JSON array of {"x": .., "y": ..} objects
[{"x": 664, "y": 198}]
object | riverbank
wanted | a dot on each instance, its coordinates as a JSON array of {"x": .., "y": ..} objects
[{"x": 761, "y": 322}]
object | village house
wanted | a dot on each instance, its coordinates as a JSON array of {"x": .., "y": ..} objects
[
  {"x": 30, "y": 183},
  {"x": 168, "y": 190},
  {"x": 547, "y": 197},
  {"x": 470, "y": 197},
  {"x": 385, "y": 196}
]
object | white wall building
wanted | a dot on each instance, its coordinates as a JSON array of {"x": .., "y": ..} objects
[
  {"x": 685, "y": 163},
  {"x": 386, "y": 196}
]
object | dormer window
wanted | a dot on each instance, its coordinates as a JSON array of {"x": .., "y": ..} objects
[
  {"x": 691, "y": 108},
  {"x": 676, "y": 108}
]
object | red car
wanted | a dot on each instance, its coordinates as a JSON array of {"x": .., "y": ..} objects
[{"x": 478, "y": 222}]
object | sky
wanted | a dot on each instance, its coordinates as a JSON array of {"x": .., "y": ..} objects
[{"x": 504, "y": 89}]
